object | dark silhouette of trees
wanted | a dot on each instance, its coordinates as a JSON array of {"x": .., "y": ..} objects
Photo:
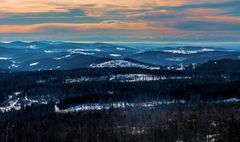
[{"x": 193, "y": 121}]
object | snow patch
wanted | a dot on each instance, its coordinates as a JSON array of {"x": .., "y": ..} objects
[
  {"x": 115, "y": 105},
  {"x": 17, "y": 93},
  {"x": 32, "y": 47},
  {"x": 63, "y": 57},
  {"x": 5, "y": 58},
  {"x": 14, "y": 103},
  {"x": 121, "y": 49},
  {"x": 115, "y": 55},
  {"x": 126, "y": 78},
  {"x": 96, "y": 49},
  {"x": 121, "y": 64},
  {"x": 79, "y": 50},
  {"x": 176, "y": 59},
  {"x": 185, "y": 51},
  {"x": 207, "y": 50},
  {"x": 231, "y": 100},
  {"x": 83, "y": 51},
  {"x": 86, "y": 53},
  {"x": 33, "y": 64},
  {"x": 48, "y": 51},
  {"x": 14, "y": 66}
]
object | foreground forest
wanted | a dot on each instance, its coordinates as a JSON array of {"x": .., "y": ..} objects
[
  {"x": 120, "y": 104},
  {"x": 194, "y": 123}
]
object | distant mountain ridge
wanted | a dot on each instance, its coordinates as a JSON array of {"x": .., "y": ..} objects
[{"x": 47, "y": 55}]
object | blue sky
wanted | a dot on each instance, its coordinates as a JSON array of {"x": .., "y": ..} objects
[{"x": 120, "y": 20}]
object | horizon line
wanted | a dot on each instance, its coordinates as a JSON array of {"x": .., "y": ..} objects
[{"x": 133, "y": 42}]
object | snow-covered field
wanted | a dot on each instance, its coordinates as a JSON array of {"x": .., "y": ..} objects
[
  {"x": 122, "y": 64},
  {"x": 123, "y": 105},
  {"x": 126, "y": 78},
  {"x": 115, "y": 105},
  {"x": 15, "y": 102},
  {"x": 185, "y": 51}
]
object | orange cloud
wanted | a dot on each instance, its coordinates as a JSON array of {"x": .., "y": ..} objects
[
  {"x": 204, "y": 11},
  {"x": 149, "y": 13},
  {"x": 217, "y": 18},
  {"x": 91, "y": 7},
  {"x": 110, "y": 25},
  {"x": 106, "y": 25}
]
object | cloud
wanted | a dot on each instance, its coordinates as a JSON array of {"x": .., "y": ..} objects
[
  {"x": 207, "y": 26},
  {"x": 217, "y": 18},
  {"x": 213, "y": 4},
  {"x": 108, "y": 25},
  {"x": 204, "y": 11},
  {"x": 164, "y": 14},
  {"x": 135, "y": 19},
  {"x": 91, "y": 7},
  {"x": 154, "y": 15}
]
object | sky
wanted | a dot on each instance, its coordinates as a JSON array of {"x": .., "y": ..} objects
[{"x": 120, "y": 20}]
